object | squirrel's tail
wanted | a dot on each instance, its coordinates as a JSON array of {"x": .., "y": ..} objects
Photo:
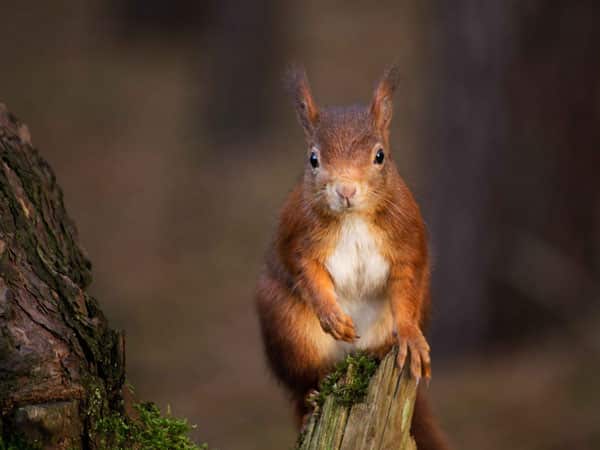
[{"x": 424, "y": 429}]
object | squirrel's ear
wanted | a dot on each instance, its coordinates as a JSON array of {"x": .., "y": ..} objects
[
  {"x": 381, "y": 106},
  {"x": 306, "y": 108}
]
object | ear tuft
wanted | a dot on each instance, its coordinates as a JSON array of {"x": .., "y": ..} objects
[
  {"x": 381, "y": 106},
  {"x": 296, "y": 83}
]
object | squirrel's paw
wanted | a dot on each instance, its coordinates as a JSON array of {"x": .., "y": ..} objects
[
  {"x": 335, "y": 322},
  {"x": 409, "y": 337},
  {"x": 312, "y": 399}
]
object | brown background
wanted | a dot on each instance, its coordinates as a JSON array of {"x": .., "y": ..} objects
[{"x": 170, "y": 134}]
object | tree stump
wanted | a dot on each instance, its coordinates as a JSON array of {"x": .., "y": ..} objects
[
  {"x": 380, "y": 422},
  {"x": 61, "y": 366}
]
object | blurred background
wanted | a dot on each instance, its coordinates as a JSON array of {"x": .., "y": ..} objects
[{"x": 173, "y": 141}]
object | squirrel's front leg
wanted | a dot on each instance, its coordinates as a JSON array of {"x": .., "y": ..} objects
[
  {"x": 322, "y": 298},
  {"x": 407, "y": 310}
]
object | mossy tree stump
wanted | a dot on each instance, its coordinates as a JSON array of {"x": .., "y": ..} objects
[
  {"x": 380, "y": 421},
  {"x": 61, "y": 366}
]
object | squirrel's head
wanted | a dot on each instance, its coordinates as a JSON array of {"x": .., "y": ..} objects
[{"x": 348, "y": 160}]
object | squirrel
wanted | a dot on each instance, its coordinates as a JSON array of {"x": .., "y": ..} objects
[{"x": 348, "y": 269}]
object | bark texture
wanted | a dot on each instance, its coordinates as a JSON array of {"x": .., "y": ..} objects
[
  {"x": 61, "y": 366},
  {"x": 381, "y": 422}
]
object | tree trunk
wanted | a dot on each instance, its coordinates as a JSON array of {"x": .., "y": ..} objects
[
  {"x": 382, "y": 421},
  {"x": 466, "y": 134},
  {"x": 61, "y": 366},
  {"x": 513, "y": 153}
]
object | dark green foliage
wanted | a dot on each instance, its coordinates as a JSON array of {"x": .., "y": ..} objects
[
  {"x": 349, "y": 381},
  {"x": 151, "y": 430}
]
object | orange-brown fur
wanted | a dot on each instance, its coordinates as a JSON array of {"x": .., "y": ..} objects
[{"x": 296, "y": 295}]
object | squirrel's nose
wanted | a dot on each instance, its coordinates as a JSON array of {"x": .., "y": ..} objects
[{"x": 345, "y": 190}]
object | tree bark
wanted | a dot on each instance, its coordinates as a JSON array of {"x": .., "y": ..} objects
[
  {"x": 382, "y": 421},
  {"x": 61, "y": 366}
]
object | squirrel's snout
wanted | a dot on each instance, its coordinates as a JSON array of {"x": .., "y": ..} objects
[{"x": 346, "y": 191}]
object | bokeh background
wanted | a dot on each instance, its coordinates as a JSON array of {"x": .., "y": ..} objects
[{"x": 175, "y": 145}]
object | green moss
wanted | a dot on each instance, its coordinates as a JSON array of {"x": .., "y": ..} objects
[
  {"x": 96, "y": 405},
  {"x": 151, "y": 430},
  {"x": 349, "y": 381}
]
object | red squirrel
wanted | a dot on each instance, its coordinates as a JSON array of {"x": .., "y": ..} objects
[{"x": 348, "y": 269}]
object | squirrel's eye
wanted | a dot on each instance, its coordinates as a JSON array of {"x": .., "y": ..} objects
[
  {"x": 379, "y": 156},
  {"x": 314, "y": 160}
]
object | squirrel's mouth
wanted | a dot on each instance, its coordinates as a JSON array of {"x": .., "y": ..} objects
[
  {"x": 344, "y": 196},
  {"x": 341, "y": 205}
]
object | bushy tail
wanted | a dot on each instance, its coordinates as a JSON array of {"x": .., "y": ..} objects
[{"x": 424, "y": 429}]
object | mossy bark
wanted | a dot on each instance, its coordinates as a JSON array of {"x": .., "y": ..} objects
[
  {"x": 380, "y": 422},
  {"x": 61, "y": 366}
]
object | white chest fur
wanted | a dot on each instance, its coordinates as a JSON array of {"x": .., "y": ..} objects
[
  {"x": 356, "y": 265},
  {"x": 360, "y": 273}
]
